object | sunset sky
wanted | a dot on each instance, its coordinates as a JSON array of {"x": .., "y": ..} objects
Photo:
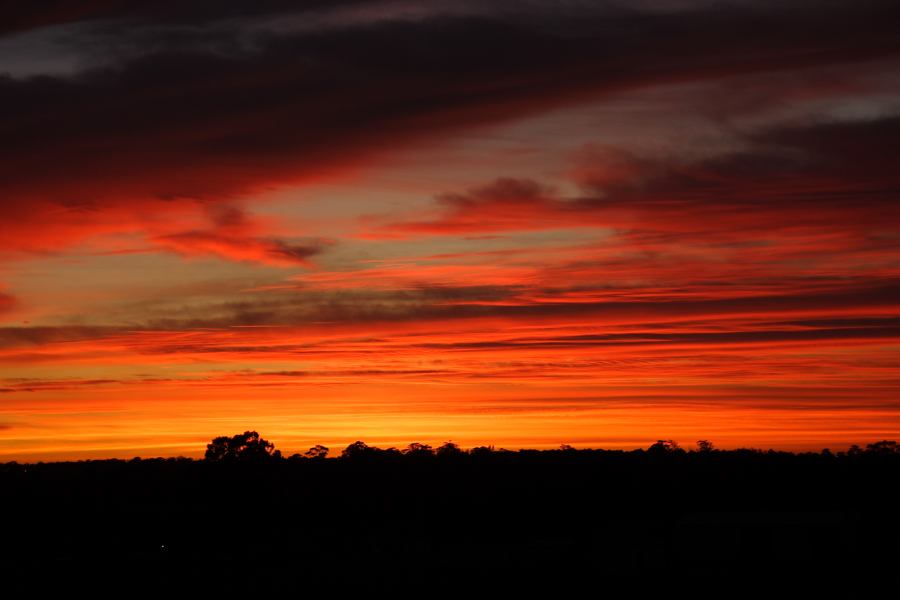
[{"x": 516, "y": 223}]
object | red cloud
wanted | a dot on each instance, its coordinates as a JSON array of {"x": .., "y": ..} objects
[
  {"x": 275, "y": 252},
  {"x": 175, "y": 122},
  {"x": 188, "y": 228},
  {"x": 7, "y": 303},
  {"x": 834, "y": 177}
]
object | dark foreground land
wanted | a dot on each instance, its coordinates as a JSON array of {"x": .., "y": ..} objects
[{"x": 556, "y": 523}]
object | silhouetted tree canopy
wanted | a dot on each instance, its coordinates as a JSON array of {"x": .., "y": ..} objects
[
  {"x": 249, "y": 446},
  {"x": 245, "y": 447},
  {"x": 884, "y": 447},
  {"x": 449, "y": 449},
  {"x": 356, "y": 450},
  {"x": 742, "y": 512},
  {"x": 417, "y": 449},
  {"x": 663, "y": 447},
  {"x": 481, "y": 450},
  {"x": 317, "y": 451}
]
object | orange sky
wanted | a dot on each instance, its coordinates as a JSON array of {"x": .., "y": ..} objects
[{"x": 293, "y": 223}]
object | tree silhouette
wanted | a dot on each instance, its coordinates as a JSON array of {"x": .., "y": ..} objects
[
  {"x": 661, "y": 447},
  {"x": 245, "y": 447},
  {"x": 481, "y": 451},
  {"x": 704, "y": 446},
  {"x": 883, "y": 447},
  {"x": 448, "y": 449},
  {"x": 317, "y": 451},
  {"x": 357, "y": 449},
  {"x": 417, "y": 449}
]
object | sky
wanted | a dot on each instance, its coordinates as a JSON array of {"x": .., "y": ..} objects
[{"x": 520, "y": 224}]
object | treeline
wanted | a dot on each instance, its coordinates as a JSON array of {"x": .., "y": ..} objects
[
  {"x": 420, "y": 519},
  {"x": 249, "y": 447},
  {"x": 360, "y": 449}
]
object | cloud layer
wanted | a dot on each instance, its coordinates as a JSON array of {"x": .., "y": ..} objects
[{"x": 715, "y": 244}]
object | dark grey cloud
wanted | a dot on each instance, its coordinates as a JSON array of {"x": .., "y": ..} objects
[
  {"x": 23, "y": 16},
  {"x": 427, "y": 305},
  {"x": 889, "y": 331},
  {"x": 196, "y": 117},
  {"x": 837, "y": 175}
]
